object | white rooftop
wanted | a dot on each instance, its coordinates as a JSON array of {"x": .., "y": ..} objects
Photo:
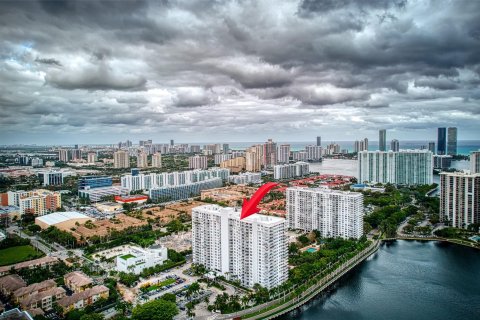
[
  {"x": 59, "y": 217},
  {"x": 235, "y": 213}
]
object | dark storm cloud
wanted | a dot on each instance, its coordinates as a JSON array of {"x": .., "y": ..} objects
[
  {"x": 168, "y": 66},
  {"x": 95, "y": 77},
  {"x": 49, "y": 61}
]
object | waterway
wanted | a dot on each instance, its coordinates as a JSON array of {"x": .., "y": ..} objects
[{"x": 404, "y": 280}]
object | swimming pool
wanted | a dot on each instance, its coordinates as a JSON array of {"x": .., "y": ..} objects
[{"x": 311, "y": 250}]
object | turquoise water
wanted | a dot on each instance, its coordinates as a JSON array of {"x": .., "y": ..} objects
[
  {"x": 311, "y": 250},
  {"x": 463, "y": 146}
]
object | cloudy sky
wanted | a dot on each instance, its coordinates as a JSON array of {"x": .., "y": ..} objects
[{"x": 200, "y": 71}]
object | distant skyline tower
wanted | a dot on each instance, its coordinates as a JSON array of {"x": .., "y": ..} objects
[
  {"x": 431, "y": 147},
  {"x": 442, "y": 141},
  {"x": 382, "y": 140},
  {"x": 395, "y": 145},
  {"x": 171, "y": 142},
  {"x": 452, "y": 141},
  {"x": 269, "y": 154},
  {"x": 319, "y": 141}
]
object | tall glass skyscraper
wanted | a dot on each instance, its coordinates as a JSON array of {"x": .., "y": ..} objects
[
  {"x": 452, "y": 141},
  {"x": 382, "y": 140},
  {"x": 442, "y": 141}
]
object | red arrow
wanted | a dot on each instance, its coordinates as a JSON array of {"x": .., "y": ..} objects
[{"x": 250, "y": 207}]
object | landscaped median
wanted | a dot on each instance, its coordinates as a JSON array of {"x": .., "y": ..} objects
[{"x": 309, "y": 289}]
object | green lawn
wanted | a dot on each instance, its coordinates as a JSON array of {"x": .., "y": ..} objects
[
  {"x": 18, "y": 254},
  {"x": 161, "y": 284}
]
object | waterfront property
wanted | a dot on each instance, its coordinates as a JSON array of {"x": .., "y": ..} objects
[
  {"x": 252, "y": 250},
  {"x": 405, "y": 167},
  {"x": 460, "y": 198},
  {"x": 333, "y": 213}
]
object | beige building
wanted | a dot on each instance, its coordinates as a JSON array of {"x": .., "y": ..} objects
[
  {"x": 32, "y": 264},
  {"x": 62, "y": 220},
  {"x": 38, "y": 295},
  {"x": 92, "y": 157},
  {"x": 84, "y": 298},
  {"x": 157, "y": 160},
  {"x": 32, "y": 289},
  {"x": 9, "y": 284},
  {"x": 121, "y": 159},
  {"x": 37, "y": 202},
  {"x": 254, "y": 158},
  {"x": 235, "y": 165},
  {"x": 77, "y": 281},
  {"x": 142, "y": 160}
]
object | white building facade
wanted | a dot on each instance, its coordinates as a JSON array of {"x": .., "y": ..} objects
[
  {"x": 288, "y": 171},
  {"x": 198, "y": 162},
  {"x": 149, "y": 181},
  {"x": 252, "y": 250},
  {"x": 246, "y": 178},
  {"x": 135, "y": 259},
  {"x": 406, "y": 167},
  {"x": 334, "y": 213}
]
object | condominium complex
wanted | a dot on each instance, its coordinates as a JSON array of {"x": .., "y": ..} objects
[
  {"x": 270, "y": 157},
  {"x": 139, "y": 181},
  {"x": 283, "y": 153},
  {"x": 299, "y": 155},
  {"x": 382, "y": 140},
  {"x": 121, "y": 159},
  {"x": 135, "y": 259},
  {"x": 406, "y": 167},
  {"x": 288, "y": 171},
  {"x": 475, "y": 162},
  {"x": 77, "y": 281},
  {"x": 395, "y": 145},
  {"x": 235, "y": 165},
  {"x": 442, "y": 161},
  {"x": 361, "y": 145},
  {"x": 452, "y": 141},
  {"x": 246, "y": 178},
  {"x": 157, "y": 160},
  {"x": 219, "y": 158},
  {"x": 442, "y": 141},
  {"x": 254, "y": 158},
  {"x": 84, "y": 298},
  {"x": 314, "y": 153},
  {"x": 252, "y": 250},
  {"x": 184, "y": 191},
  {"x": 142, "y": 160},
  {"x": 63, "y": 155},
  {"x": 37, "y": 202},
  {"x": 334, "y": 213},
  {"x": 460, "y": 198},
  {"x": 198, "y": 162},
  {"x": 92, "y": 157}
]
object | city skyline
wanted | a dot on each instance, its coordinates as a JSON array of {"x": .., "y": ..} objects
[{"x": 96, "y": 72}]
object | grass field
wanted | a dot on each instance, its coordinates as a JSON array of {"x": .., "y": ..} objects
[
  {"x": 161, "y": 284},
  {"x": 18, "y": 254}
]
